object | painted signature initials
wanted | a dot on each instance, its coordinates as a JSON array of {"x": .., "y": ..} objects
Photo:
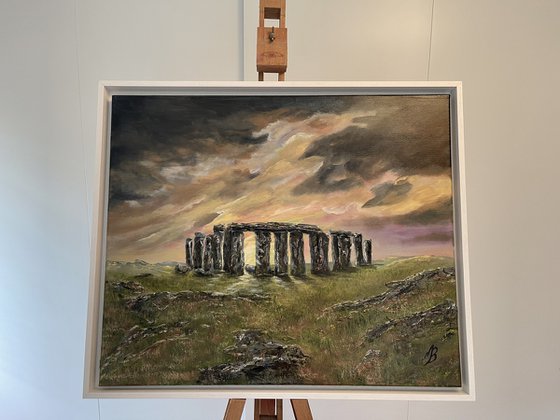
[{"x": 431, "y": 355}]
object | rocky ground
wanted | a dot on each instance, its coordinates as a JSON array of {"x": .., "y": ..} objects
[
  {"x": 257, "y": 360},
  {"x": 166, "y": 327}
]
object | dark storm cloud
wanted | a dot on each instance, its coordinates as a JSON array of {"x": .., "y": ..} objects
[
  {"x": 437, "y": 213},
  {"x": 389, "y": 193},
  {"x": 409, "y": 135},
  {"x": 328, "y": 178},
  {"x": 133, "y": 182},
  {"x": 178, "y": 130},
  {"x": 146, "y": 122},
  {"x": 141, "y": 123}
]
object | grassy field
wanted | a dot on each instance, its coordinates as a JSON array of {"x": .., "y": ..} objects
[{"x": 154, "y": 338}]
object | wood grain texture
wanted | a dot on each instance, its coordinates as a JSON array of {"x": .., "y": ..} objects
[
  {"x": 301, "y": 408},
  {"x": 268, "y": 409},
  {"x": 234, "y": 409}
]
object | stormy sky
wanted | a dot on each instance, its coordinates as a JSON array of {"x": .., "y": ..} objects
[{"x": 379, "y": 165}]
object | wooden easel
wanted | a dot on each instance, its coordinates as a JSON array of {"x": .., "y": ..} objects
[
  {"x": 272, "y": 57},
  {"x": 268, "y": 409}
]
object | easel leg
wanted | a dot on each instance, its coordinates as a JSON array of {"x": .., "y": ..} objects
[
  {"x": 234, "y": 409},
  {"x": 261, "y": 76},
  {"x": 281, "y": 77},
  {"x": 301, "y": 408}
]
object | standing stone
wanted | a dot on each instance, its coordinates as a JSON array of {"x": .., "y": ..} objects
[
  {"x": 323, "y": 254},
  {"x": 207, "y": 258},
  {"x": 359, "y": 249},
  {"x": 198, "y": 249},
  {"x": 345, "y": 250},
  {"x": 217, "y": 250},
  {"x": 314, "y": 251},
  {"x": 336, "y": 252},
  {"x": 281, "y": 253},
  {"x": 262, "y": 252},
  {"x": 367, "y": 246},
  {"x": 319, "y": 247},
  {"x": 227, "y": 250},
  {"x": 237, "y": 258},
  {"x": 296, "y": 250},
  {"x": 189, "y": 253}
]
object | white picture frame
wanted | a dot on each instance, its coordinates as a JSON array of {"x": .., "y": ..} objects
[{"x": 98, "y": 247}]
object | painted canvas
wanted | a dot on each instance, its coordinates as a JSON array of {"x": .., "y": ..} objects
[{"x": 280, "y": 240}]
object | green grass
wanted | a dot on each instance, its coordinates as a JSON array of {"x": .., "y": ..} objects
[{"x": 295, "y": 314}]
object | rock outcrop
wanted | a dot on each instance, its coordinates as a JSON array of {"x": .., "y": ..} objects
[
  {"x": 139, "y": 340},
  {"x": 127, "y": 286},
  {"x": 444, "y": 313},
  {"x": 258, "y": 360},
  {"x": 398, "y": 288},
  {"x": 159, "y": 301}
]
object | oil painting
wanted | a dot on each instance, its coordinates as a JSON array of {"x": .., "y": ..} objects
[{"x": 280, "y": 239}]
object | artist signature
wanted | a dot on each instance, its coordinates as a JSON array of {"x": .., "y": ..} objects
[{"x": 431, "y": 355}]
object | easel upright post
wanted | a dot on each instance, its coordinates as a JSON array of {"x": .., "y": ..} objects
[{"x": 272, "y": 41}]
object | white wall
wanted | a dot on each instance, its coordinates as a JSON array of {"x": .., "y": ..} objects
[{"x": 53, "y": 53}]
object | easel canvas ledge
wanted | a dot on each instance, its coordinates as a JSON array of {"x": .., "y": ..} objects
[{"x": 106, "y": 89}]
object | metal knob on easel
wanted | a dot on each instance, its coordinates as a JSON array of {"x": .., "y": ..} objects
[{"x": 272, "y": 41}]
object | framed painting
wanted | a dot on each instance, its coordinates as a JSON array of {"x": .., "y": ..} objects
[{"x": 293, "y": 240}]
